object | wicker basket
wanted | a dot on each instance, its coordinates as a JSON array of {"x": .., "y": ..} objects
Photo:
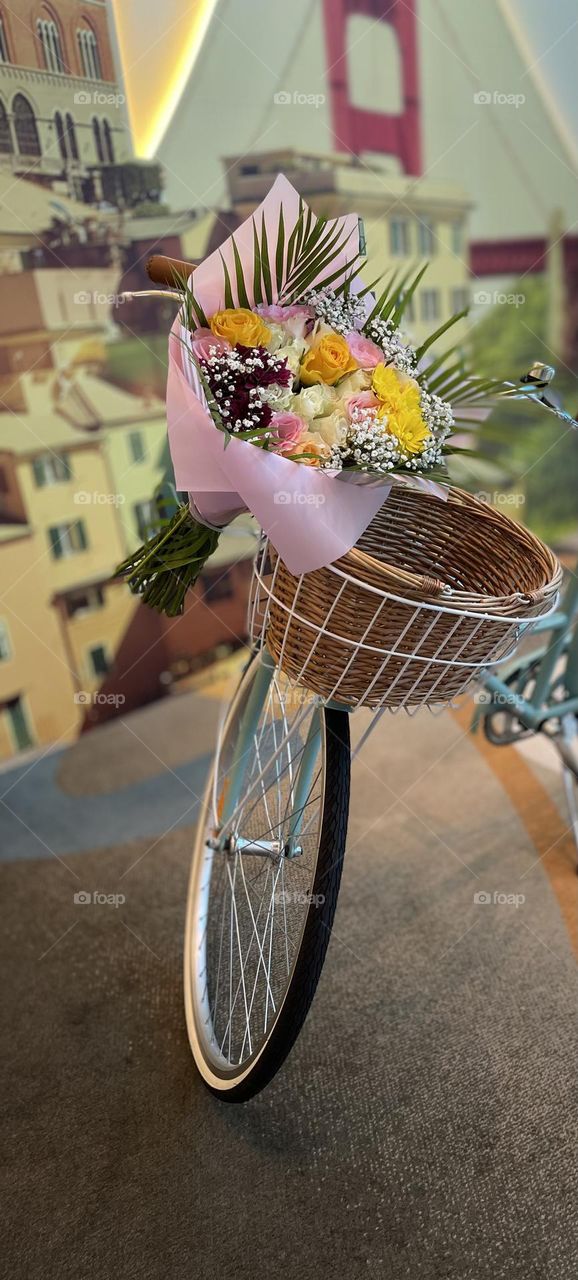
[{"x": 433, "y": 592}]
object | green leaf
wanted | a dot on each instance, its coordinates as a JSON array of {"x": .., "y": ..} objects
[
  {"x": 280, "y": 251},
  {"x": 405, "y": 297},
  {"x": 257, "y": 291},
  {"x": 241, "y": 289},
  {"x": 265, "y": 265},
  {"x": 439, "y": 332},
  {"x": 228, "y": 290},
  {"x": 291, "y": 247}
]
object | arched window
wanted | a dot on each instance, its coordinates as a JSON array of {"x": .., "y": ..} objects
[
  {"x": 6, "y": 143},
  {"x": 25, "y": 127},
  {"x": 108, "y": 143},
  {"x": 4, "y": 50},
  {"x": 60, "y": 134},
  {"x": 51, "y": 44},
  {"x": 89, "y": 53},
  {"x": 97, "y": 140},
  {"x": 71, "y": 137}
]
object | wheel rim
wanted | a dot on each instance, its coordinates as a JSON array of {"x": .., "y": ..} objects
[{"x": 247, "y": 910}]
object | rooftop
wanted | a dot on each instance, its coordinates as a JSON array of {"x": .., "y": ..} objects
[{"x": 63, "y": 414}]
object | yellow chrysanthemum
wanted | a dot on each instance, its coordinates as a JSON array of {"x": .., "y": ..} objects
[
  {"x": 399, "y": 398},
  {"x": 409, "y": 428}
]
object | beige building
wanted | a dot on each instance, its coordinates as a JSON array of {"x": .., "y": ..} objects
[
  {"x": 79, "y": 461},
  {"x": 406, "y": 224}
]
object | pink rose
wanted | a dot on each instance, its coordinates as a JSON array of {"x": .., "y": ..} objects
[
  {"x": 363, "y": 400},
  {"x": 286, "y": 431},
  {"x": 205, "y": 343},
  {"x": 366, "y": 352},
  {"x": 294, "y": 318},
  {"x": 272, "y": 311}
]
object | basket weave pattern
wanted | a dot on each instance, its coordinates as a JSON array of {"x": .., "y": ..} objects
[{"x": 402, "y": 618}]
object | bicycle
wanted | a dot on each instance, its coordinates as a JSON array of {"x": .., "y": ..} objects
[
  {"x": 272, "y": 827},
  {"x": 538, "y": 692}
]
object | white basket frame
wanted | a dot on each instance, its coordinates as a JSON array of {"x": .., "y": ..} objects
[{"x": 263, "y": 594}]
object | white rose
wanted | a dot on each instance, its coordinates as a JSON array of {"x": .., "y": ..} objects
[
  {"x": 333, "y": 429},
  {"x": 292, "y": 354},
  {"x": 280, "y": 398},
  {"x": 313, "y": 402},
  {"x": 360, "y": 380},
  {"x": 278, "y": 336}
]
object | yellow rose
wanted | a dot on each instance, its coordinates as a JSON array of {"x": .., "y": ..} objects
[
  {"x": 328, "y": 360},
  {"x": 239, "y": 325}
]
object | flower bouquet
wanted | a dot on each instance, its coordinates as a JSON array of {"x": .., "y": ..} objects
[{"x": 288, "y": 376}]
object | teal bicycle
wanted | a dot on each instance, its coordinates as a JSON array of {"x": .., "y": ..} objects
[
  {"x": 261, "y": 905},
  {"x": 537, "y": 692}
]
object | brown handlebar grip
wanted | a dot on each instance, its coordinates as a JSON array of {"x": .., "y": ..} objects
[{"x": 170, "y": 271}]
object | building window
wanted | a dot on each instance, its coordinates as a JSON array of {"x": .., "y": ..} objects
[
  {"x": 4, "y": 54},
  {"x": 71, "y": 137},
  {"x": 136, "y": 446},
  {"x": 427, "y": 239},
  {"x": 67, "y": 539},
  {"x": 51, "y": 45},
  {"x": 146, "y": 516},
  {"x": 460, "y": 299},
  {"x": 6, "y": 143},
  {"x": 66, "y": 135},
  {"x": 51, "y": 468},
  {"x": 59, "y": 126},
  {"x": 19, "y": 725},
  {"x": 399, "y": 237},
  {"x": 218, "y": 585},
  {"x": 5, "y": 646},
  {"x": 457, "y": 238},
  {"x": 430, "y": 304},
  {"x": 98, "y": 660},
  {"x": 107, "y": 142},
  {"x": 97, "y": 140},
  {"x": 77, "y": 603},
  {"x": 25, "y": 127},
  {"x": 89, "y": 54}
]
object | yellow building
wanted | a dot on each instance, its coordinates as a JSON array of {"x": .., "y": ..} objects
[
  {"x": 79, "y": 461},
  {"x": 406, "y": 223}
]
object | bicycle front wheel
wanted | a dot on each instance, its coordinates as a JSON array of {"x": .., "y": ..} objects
[{"x": 264, "y": 879}]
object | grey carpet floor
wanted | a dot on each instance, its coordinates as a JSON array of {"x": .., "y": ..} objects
[{"x": 425, "y": 1124}]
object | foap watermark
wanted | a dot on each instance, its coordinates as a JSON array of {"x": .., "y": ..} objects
[
  {"x": 283, "y": 498},
  {"x": 498, "y": 899},
  {"x": 97, "y": 299},
  {"x": 298, "y": 897},
  {"x": 84, "y": 498},
  {"x": 98, "y": 98},
  {"x": 495, "y": 498},
  {"x": 484, "y": 698},
  {"x": 495, "y": 298},
  {"x": 84, "y": 698},
  {"x": 494, "y": 98},
  {"x": 298, "y": 99},
  {"x": 96, "y": 899}
]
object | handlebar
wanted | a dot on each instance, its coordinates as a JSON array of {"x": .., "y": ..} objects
[{"x": 169, "y": 271}]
